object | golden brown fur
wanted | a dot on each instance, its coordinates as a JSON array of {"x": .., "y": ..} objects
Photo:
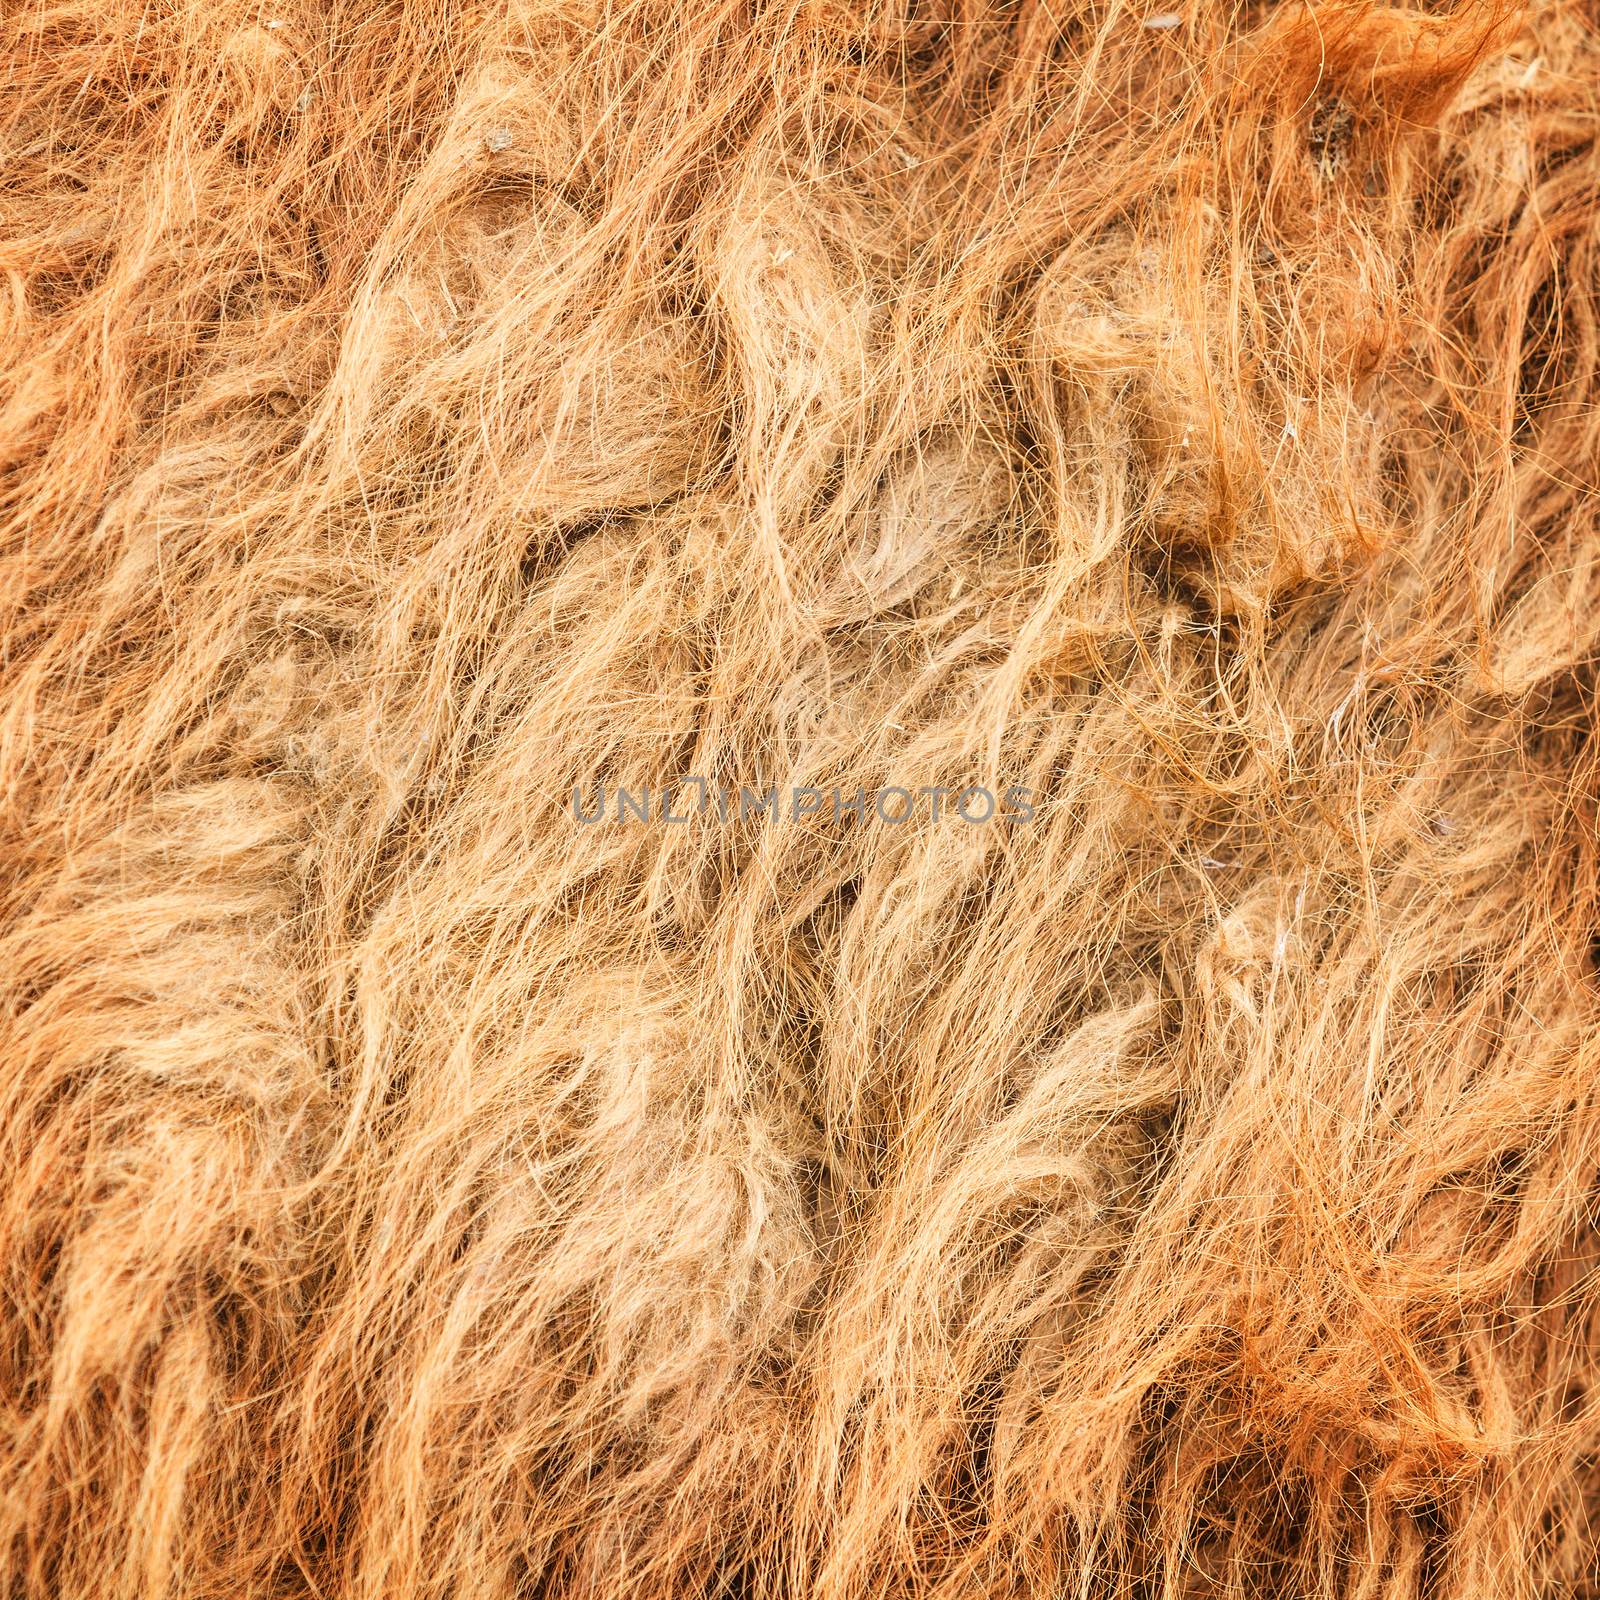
[{"x": 410, "y": 411}]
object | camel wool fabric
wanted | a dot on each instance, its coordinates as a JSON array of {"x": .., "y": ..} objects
[{"x": 798, "y": 800}]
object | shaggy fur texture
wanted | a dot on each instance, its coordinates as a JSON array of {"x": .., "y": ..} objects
[{"x": 412, "y": 410}]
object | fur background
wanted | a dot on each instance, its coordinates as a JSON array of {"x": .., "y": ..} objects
[{"x": 412, "y": 409}]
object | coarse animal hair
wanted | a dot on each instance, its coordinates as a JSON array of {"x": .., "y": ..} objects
[{"x": 418, "y": 414}]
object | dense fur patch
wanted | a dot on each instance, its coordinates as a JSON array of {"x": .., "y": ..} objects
[{"x": 413, "y": 412}]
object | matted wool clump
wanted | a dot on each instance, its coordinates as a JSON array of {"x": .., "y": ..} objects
[{"x": 799, "y": 800}]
